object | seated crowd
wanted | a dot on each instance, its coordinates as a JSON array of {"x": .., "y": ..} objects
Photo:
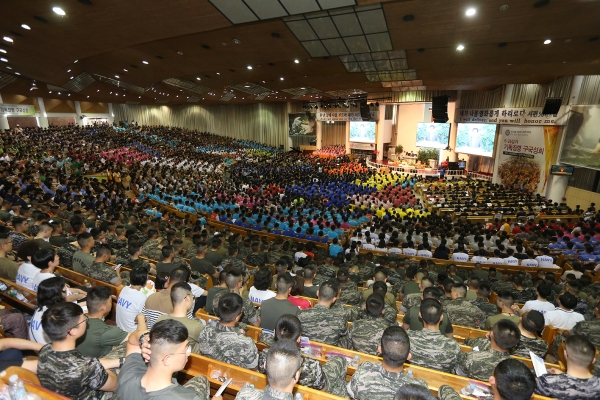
[{"x": 328, "y": 253}]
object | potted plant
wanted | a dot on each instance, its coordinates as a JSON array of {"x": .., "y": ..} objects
[{"x": 399, "y": 149}]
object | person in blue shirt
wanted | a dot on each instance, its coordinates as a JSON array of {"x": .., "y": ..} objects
[{"x": 335, "y": 248}]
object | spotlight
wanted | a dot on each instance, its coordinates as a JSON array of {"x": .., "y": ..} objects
[
  {"x": 59, "y": 11},
  {"x": 460, "y": 47}
]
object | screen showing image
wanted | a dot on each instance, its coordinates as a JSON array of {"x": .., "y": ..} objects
[
  {"x": 477, "y": 139},
  {"x": 562, "y": 170},
  {"x": 302, "y": 124},
  {"x": 430, "y": 134},
  {"x": 362, "y": 131},
  {"x": 462, "y": 164}
]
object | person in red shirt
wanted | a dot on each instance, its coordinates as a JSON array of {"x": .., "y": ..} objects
[{"x": 297, "y": 290}]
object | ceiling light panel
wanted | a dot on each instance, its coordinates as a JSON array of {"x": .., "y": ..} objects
[
  {"x": 347, "y": 24},
  {"x": 120, "y": 84},
  {"x": 335, "y": 47},
  {"x": 227, "y": 97},
  {"x": 187, "y": 85},
  {"x": 6, "y": 79},
  {"x": 345, "y": 93},
  {"x": 295, "y": 7},
  {"x": 235, "y": 11},
  {"x": 324, "y": 27},
  {"x": 193, "y": 99},
  {"x": 356, "y": 44},
  {"x": 161, "y": 101},
  {"x": 302, "y": 30},
  {"x": 80, "y": 82},
  {"x": 301, "y": 91},
  {"x": 250, "y": 88},
  {"x": 262, "y": 96},
  {"x": 266, "y": 9},
  {"x": 327, "y": 4},
  {"x": 372, "y": 21},
  {"x": 315, "y": 48}
]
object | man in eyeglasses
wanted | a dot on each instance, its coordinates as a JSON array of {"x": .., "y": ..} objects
[
  {"x": 170, "y": 350},
  {"x": 61, "y": 367},
  {"x": 183, "y": 302}
]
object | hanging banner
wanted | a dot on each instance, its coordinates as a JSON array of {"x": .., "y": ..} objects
[
  {"x": 362, "y": 146},
  {"x": 344, "y": 116},
  {"x": 17, "y": 109},
  {"x": 524, "y": 156},
  {"x": 521, "y": 116}
]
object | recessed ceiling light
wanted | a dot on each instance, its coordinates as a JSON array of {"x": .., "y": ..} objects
[
  {"x": 59, "y": 11},
  {"x": 50, "y": 91},
  {"x": 16, "y": 73},
  {"x": 470, "y": 12},
  {"x": 58, "y": 92},
  {"x": 75, "y": 62},
  {"x": 460, "y": 47},
  {"x": 2, "y": 51},
  {"x": 68, "y": 70},
  {"x": 504, "y": 7},
  {"x": 297, "y": 61},
  {"x": 25, "y": 26},
  {"x": 302, "y": 88},
  {"x": 98, "y": 90},
  {"x": 88, "y": 97},
  {"x": 547, "y": 41},
  {"x": 117, "y": 76},
  {"x": 125, "y": 70},
  {"x": 3, "y": 60},
  {"x": 180, "y": 53},
  {"x": 71, "y": 78},
  {"x": 249, "y": 67},
  {"x": 69, "y": 94},
  {"x": 8, "y": 39},
  {"x": 139, "y": 97},
  {"x": 218, "y": 73},
  {"x": 198, "y": 79},
  {"x": 281, "y": 78},
  {"x": 145, "y": 62}
]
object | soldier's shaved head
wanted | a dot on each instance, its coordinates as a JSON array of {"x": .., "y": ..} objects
[
  {"x": 395, "y": 346},
  {"x": 283, "y": 364}
]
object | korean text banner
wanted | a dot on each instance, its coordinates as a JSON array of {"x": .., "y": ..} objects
[
  {"x": 521, "y": 116},
  {"x": 524, "y": 156},
  {"x": 344, "y": 116},
  {"x": 17, "y": 109}
]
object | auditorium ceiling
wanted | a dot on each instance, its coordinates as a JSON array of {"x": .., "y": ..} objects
[{"x": 201, "y": 51}]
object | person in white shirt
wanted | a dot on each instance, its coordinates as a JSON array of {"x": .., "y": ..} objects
[
  {"x": 45, "y": 260},
  {"x": 259, "y": 291},
  {"x": 50, "y": 291},
  {"x": 544, "y": 260},
  {"x": 425, "y": 252},
  {"x": 460, "y": 255},
  {"x": 131, "y": 300},
  {"x": 529, "y": 262},
  {"x": 496, "y": 260},
  {"x": 563, "y": 317},
  {"x": 540, "y": 304},
  {"x": 409, "y": 251},
  {"x": 479, "y": 257},
  {"x": 27, "y": 271},
  {"x": 368, "y": 245},
  {"x": 511, "y": 260}
]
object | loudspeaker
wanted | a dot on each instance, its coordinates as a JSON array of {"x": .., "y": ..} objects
[
  {"x": 552, "y": 106},
  {"x": 452, "y": 166},
  {"x": 439, "y": 109},
  {"x": 364, "y": 111},
  {"x": 313, "y": 142}
]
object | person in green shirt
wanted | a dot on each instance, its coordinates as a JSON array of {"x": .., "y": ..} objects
[
  {"x": 411, "y": 286},
  {"x": 414, "y": 322},
  {"x": 100, "y": 337},
  {"x": 183, "y": 302},
  {"x": 222, "y": 286},
  {"x": 504, "y": 301}
]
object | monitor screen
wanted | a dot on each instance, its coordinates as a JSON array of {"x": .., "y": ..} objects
[
  {"x": 462, "y": 164},
  {"x": 430, "y": 134},
  {"x": 477, "y": 139},
  {"x": 562, "y": 170},
  {"x": 362, "y": 131}
]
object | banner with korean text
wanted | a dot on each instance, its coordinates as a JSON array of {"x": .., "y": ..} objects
[
  {"x": 521, "y": 116},
  {"x": 17, "y": 109},
  {"x": 344, "y": 116},
  {"x": 524, "y": 156}
]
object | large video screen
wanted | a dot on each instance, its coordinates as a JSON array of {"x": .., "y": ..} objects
[
  {"x": 430, "y": 134},
  {"x": 302, "y": 124},
  {"x": 477, "y": 139},
  {"x": 362, "y": 131},
  {"x": 562, "y": 170}
]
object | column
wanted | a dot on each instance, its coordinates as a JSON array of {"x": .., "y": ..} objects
[
  {"x": 508, "y": 92},
  {"x": 43, "y": 118},
  {"x": 379, "y": 132},
  {"x": 575, "y": 89},
  {"x": 556, "y": 187},
  {"x": 78, "y": 119},
  {"x": 111, "y": 114},
  {"x": 319, "y": 135},
  {"x": 3, "y": 119}
]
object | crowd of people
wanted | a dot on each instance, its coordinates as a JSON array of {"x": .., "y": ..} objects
[{"x": 65, "y": 201}]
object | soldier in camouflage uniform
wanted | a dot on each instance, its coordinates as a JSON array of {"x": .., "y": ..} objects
[
  {"x": 155, "y": 252},
  {"x": 460, "y": 311},
  {"x": 482, "y": 302},
  {"x": 151, "y": 243},
  {"x": 322, "y": 324},
  {"x": 349, "y": 291},
  {"x": 233, "y": 261},
  {"x": 504, "y": 284},
  {"x": 429, "y": 348},
  {"x": 288, "y": 328},
  {"x": 122, "y": 256},
  {"x": 380, "y": 381},
  {"x": 225, "y": 342},
  {"x": 480, "y": 364},
  {"x": 366, "y": 333},
  {"x": 274, "y": 253},
  {"x": 522, "y": 294},
  {"x": 234, "y": 281},
  {"x": 348, "y": 312},
  {"x": 100, "y": 270},
  {"x": 65, "y": 254},
  {"x": 326, "y": 271},
  {"x": 576, "y": 385}
]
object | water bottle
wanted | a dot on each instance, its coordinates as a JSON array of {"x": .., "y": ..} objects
[
  {"x": 468, "y": 390},
  {"x": 410, "y": 373},
  {"x": 17, "y": 388},
  {"x": 20, "y": 296},
  {"x": 4, "y": 393},
  {"x": 209, "y": 322},
  {"x": 299, "y": 396},
  {"x": 87, "y": 284},
  {"x": 356, "y": 362},
  {"x": 3, "y": 286}
]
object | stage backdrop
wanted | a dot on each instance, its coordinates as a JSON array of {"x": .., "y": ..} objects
[
  {"x": 581, "y": 145},
  {"x": 524, "y": 156}
]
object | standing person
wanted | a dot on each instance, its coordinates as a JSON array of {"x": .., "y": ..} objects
[
  {"x": 61, "y": 367},
  {"x": 131, "y": 300}
]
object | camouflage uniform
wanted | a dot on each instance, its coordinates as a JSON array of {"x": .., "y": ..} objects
[
  {"x": 488, "y": 308},
  {"x": 321, "y": 324},
  {"x": 461, "y": 312},
  {"x": 243, "y": 252},
  {"x": 100, "y": 271},
  {"x": 536, "y": 345},
  {"x": 372, "y": 382},
  {"x": 589, "y": 329},
  {"x": 149, "y": 247},
  {"x": 522, "y": 296},
  {"x": 236, "y": 263},
  {"x": 365, "y": 272},
  {"x": 71, "y": 374},
  {"x": 366, "y": 334},
  {"x": 229, "y": 345},
  {"x": 446, "y": 392},
  {"x": 115, "y": 243},
  {"x": 192, "y": 251},
  {"x": 250, "y": 393},
  {"x": 311, "y": 374},
  {"x": 502, "y": 285},
  {"x": 33, "y": 230},
  {"x": 411, "y": 300},
  {"x": 325, "y": 272},
  {"x": 348, "y": 312},
  {"x": 273, "y": 256},
  {"x": 179, "y": 261},
  {"x": 65, "y": 254},
  {"x": 350, "y": 294},
  {"x": 389, "y": 315},
  {"x": 431, "y": 349},
  {"x": 154, "y": 253},
  {"x": 250, "y": 315},
  {"x": 122, "y": 256},
  {"x": 581, "y": 306},
  {"x": 398, "y": 286},
  {"x": 566, "y": 387},
  {"x": 480, "y": 364},
  {"x": 255, "y": 260}
]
